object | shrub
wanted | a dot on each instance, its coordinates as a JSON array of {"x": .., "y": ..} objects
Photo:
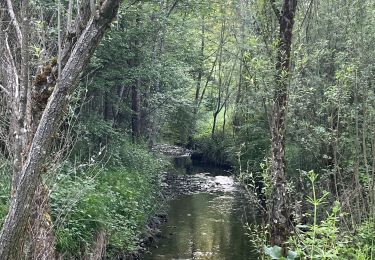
[
  {"x": 328, "y": 239},
  {"x": 218, "y": 150},
  {"x": 118, "y": 199}
]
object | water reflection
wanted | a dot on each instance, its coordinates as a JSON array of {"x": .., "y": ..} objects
[
  {"x": 182, "y": 165},
  {"x": 204, "y": 226},
  {"x": 185, "y": 165}
]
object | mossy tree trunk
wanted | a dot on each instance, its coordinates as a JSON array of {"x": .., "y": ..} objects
[{"x": 280, "y": 216}]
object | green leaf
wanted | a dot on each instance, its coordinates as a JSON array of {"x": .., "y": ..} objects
[
  {"x": 274, "y": 252},
  {"x": 292, "y": 255}
]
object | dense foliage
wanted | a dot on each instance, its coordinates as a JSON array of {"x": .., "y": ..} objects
[
  {"x": 118, "y": 197},
  {"x": 203, "y": 74}
]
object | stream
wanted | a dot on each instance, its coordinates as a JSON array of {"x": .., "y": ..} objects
[{"x": 206, "y": 219}]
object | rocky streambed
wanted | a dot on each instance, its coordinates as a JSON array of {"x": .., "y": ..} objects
[
  {"x": 177, "y": 185},
  {"x": 207, "y": 210},
  {"x": 206, "y": 215}
]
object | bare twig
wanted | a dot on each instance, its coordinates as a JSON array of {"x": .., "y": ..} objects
[
  {"x": 172, "y": 8},
  {"x": 4, "y": 89}
]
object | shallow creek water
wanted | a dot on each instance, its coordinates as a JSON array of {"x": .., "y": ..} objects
[{"x": 206, "y": 224}]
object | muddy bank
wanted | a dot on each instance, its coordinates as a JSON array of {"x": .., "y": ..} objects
[{"x": 149, "y": 237}]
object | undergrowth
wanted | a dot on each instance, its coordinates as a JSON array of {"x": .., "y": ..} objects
[
  {"x": 115, "y": 191},
  {"x": 118, "y": 197},
  {"x": 324, "y": 236}
]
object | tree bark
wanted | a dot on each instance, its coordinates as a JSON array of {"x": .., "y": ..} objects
[
  {"x": 220, "y": 80},
  {"x": 42, "y": 239},
  {"x": 136, "y": 88},
  {"x": 237, "y": 107},
  {"x": 200, "y": 69},
  {"x": 280, "y": 222},
  {"x": 99, "y": 246},
  {"x": 136, "y": 110},
  {"x": 108, "y": 108},
  {"x": 29, "y": 176}
]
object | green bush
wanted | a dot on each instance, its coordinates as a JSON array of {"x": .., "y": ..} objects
[
  {"x": 179, "y": 124},
  {"x": 118, "y": 199},
  {"x": 327, "y": 239},
  {"x": 218, "y": 150}
]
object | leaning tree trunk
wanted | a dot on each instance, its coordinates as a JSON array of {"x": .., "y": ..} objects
[
  {"x": 41, "y": 240},
  {"x": 29, "y": 177},
  {"x": 280, "y": 222}
]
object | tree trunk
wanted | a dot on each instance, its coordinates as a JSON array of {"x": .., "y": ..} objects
[
  {"x": 136, "y": 111},
  {"x": 237, "y": 114},
  {"x": 214, "y": 125},
  {"x": 280, "y": 222},
  {"x": 224, "y": 116},
  {"x": 29, "y": 177},
  {"x": 42, "y": 239},
  {"x": 200, "y": 70},
  {"x": 98, "y": 248},
  {"x": 108, "y": 108},
  {"x": 116, "y": 108},
  {"x": 136, "y": 88},
  {"x": 149, "y": 115},
  {"x": 220, "y": 79}
]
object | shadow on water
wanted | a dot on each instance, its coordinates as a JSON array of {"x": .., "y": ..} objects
[
  {"x": 185, "y": 165},
  {"x": 205, "y": 226}
]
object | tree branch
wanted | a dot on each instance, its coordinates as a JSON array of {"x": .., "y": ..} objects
[
  {"x": 14, "y": 21},
  {"x": 307, "y": 12},
  {"x": 4, "y": 89},
  {"x": 11, "y": 70},
  {"x": 274, "y": 8},
  {"x": 172, "y": 8}
]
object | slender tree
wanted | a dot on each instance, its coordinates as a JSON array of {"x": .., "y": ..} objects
[{"x": 280, "y": 222}]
